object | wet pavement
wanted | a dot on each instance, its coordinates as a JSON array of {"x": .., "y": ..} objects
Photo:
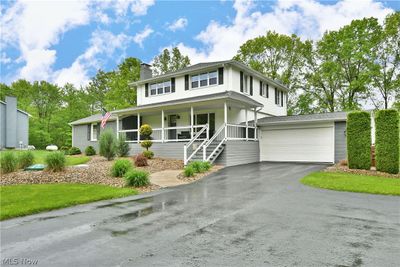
[{"x": 250, "y": 215}]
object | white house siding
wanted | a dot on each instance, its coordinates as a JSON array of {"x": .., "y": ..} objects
[
  {"x": 22, "y": 129},
  {"x": 2, "y": 125}
]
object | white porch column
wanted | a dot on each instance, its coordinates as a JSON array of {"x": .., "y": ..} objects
[
  {"x": 191, "y": 121},
  {"x": 226, "y": 119},
  {"x": 117, "y": 127},
  {"x": 162, "y": 126},
  {"x": 138, "y": 127},
  {"x": 247, "y": 125}
]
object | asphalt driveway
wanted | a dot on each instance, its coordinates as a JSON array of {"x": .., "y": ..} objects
[{"x": 250, "y": 215}]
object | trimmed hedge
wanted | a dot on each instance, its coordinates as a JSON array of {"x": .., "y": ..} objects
[
  {"x": 387, "y": 141},
  {"x": 359, "y": 140}
]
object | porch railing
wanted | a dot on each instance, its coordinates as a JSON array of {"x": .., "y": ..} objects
[
  {"x": 191, "y": 148},
  {"x": 241, "y": 132},
  {"x": 218, "y": 139}
]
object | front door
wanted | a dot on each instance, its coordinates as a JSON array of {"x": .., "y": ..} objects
[
  {"x": 209, "y": 118},
  {"x": 172, "y": 123}
]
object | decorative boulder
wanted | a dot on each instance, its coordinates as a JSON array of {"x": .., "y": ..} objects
[
  {"x": 51, "y": 148},
  {"x": 30, "y": 147}
]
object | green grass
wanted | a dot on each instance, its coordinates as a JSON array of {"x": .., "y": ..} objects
[
  {"x": 353, "y": 183},
  {"x": 40, "y": 155},
  {"x": 21, "y": 200}
]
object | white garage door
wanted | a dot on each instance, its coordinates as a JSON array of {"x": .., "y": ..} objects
[{"x": 313, "y": 143}]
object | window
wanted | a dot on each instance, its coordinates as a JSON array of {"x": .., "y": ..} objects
[
  {"x": 246, "y": 84},
  {"x": 277, "y": 97},
  {"x": 212, "y": 78},
  {"x": 160, "y": 88},
  {"x": 204, "y": 79},
  {"x": 195, "y": 81},
  {"x": 93, "y": 132},
  {"x": 265, "y": 90}
]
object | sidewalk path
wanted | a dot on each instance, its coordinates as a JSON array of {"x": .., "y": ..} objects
[{"x": 166, "y": 178}]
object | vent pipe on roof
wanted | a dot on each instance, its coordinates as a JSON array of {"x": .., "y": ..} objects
[{"x": 145, "y": 71}]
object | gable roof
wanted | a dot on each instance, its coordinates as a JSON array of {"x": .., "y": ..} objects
[
  {"x": 331, "y": 116},
  {"x": 92, "y": 118},
  {"x": 215, "y": 64}
]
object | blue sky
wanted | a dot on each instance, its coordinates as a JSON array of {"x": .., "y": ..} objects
[{"x": 67, "y": 41}]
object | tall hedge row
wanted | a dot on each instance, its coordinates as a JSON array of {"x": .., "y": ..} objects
[
  {"x": 387, "y": 141},
  {"x": 359, "y": 140}
]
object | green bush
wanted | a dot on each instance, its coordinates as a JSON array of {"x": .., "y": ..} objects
[
  {"x": 146, "y": 144},
  {"x": 359, "y": 140},
  {"x": 74, "y": 151},
  {"x": 25, "y": 159},
  {"x": 108, "y": 144},
  {"x": 387, "y": 141},
  {"x": 122, "y": 147},
  {"x": 200, "y": 166},
  {"x": 188, "y": 171},
  {"x": 137, "y": 178},
  {"x": 55, "y": 161},
  {"x": 148, "y": 154},
  {"x": 145, "y": 131},
  {"x": 140, "y": 160},
  {"x": 90, "y": 151},
  {"x": 120, "y": 167},
  {"x": 8, "y": 162},
  {"x": 65, "y": 148}
]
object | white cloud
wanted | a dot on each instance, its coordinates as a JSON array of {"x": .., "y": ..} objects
[
  {"x": 307, "y": 18},
  {"x": 178, "y": 24},
  {"x": 141, "y": 36},
  {"x": 4, "y": 59},
  {"x": 102, "y": 43},
  {"x": 137, "y": 7}
]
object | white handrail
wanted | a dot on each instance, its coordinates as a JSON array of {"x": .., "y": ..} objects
[
  {"x": 197, "y": 135},
  {"x": 185, "y": 147},
  {"x": 216, "y": 134}
]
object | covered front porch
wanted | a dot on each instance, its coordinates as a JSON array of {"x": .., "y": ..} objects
[{"x": 181, "y": 123}]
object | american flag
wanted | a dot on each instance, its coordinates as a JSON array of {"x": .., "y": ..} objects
[{"x": 105, "y": 115}]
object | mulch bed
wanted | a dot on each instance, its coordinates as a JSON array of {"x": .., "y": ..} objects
[
  {"x": 372, "y": 172},
  {"x": 198, "y": 176},
  {"x": 97, "y": 172}
]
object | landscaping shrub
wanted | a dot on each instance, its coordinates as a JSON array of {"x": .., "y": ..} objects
[
  {"x": 108, "y": 144},
  {"x": 137, "y": 178},
  {"x": 146, "y": 144},
  {"x": 122, "y": 147},
  {"x": 148, "y": 154},
  {"x": 8, "y": 162},
  {"x": 74, "y": 151},
  {"x": 145, "y": 131},
  {"x": 200, "y": 166},
  {"x": 90, "y": 151},
  {"x": 140, "y": 160},
  {"x": 188, "y": 171},
  {"x": 359, "y": 140},
  {"x": 120, "y": 167},
  {"x": 55, "y": 161},
  {"x": 387, "y": 141},
  {"x": 65, "y": 148},
  {"x": 25, "y": 159}
]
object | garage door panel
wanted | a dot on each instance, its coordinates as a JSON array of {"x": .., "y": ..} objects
[{"x": 302, "y": 144}]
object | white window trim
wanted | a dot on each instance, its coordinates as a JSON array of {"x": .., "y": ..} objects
[
  {"x": 278, "y": 98},
  {"x": 246, "y": 84},
  {"x": 91, "y": 133},
  {"x": 265, "y": 90},
  {"x": 208, "y": 80},
  {"x": 163, "y": 93}
]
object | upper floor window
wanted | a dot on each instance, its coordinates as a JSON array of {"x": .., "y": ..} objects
[
  {"x": 160, "y": 88},
  {"x": 246, "y": 84},
  {"x": 265, "y": 90},
  {"x": 204, "y": 79}
]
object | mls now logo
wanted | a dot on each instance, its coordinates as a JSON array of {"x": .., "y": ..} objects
[{"x": 19, "y": 261}]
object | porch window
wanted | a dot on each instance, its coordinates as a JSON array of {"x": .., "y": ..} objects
[{"x": 93, "y": 132}]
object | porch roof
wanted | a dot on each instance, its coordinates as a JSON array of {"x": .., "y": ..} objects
[
  {"x": 227, "y": 95},
  {"x": 91, "y": 119}
]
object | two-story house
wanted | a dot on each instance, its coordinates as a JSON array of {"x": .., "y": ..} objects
[{"x": 208, "y": 111}]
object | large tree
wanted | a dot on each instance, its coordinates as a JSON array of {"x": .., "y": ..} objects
[
  {"x": 386, "y": 68},
  {"x": 278, "y": 56},
  {"x": 169, "y": 61}
]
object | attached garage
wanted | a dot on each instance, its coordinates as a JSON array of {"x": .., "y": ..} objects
[{"x": 303, "y": 138}]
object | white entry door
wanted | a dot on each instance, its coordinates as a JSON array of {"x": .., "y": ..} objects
[{"x": 307, "y": 143}]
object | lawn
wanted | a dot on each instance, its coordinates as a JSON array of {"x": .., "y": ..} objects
[
  {"x": 40, "y": 156},
  {"x": 20, "y": 200},
  {"x": 341, "y": 181}
]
